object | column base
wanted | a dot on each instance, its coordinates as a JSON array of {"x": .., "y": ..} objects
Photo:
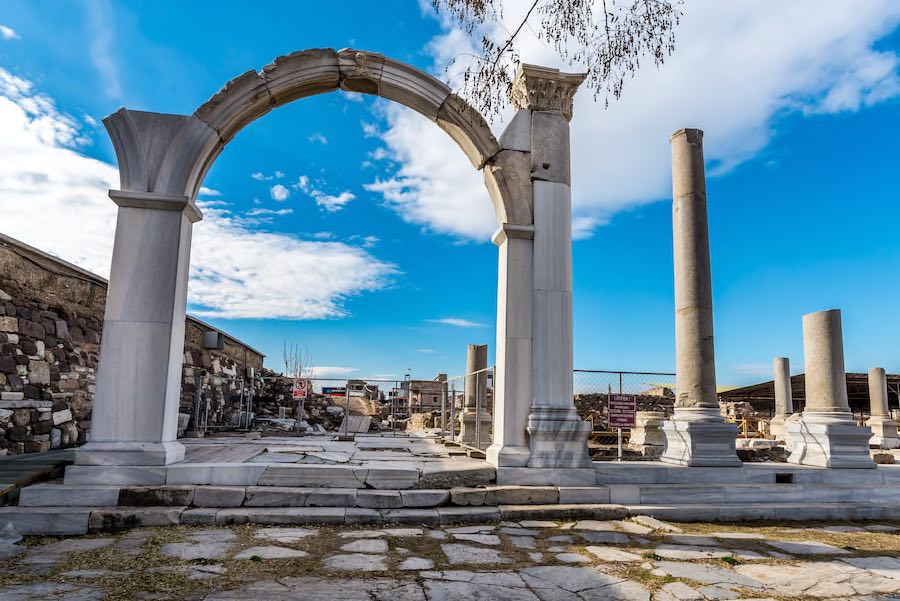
[
  {"x": 646, "y": 431},
  {"x": 700, "y": 438},
  {"x": 884, "y": 432},
  {"x": 469, "y": 425},
  {"x": 558, "y": 438},
  {"x": 829, "y": 439},
  {"x": 500, "y": 455},
  {"x": 130, "y": 453}
]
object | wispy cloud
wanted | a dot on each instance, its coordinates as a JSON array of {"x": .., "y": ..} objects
[
  {"x": 329, "y": 202},
  {"x": 425, "y": 350},
  {"x": 8, "y": 33},
  {"x": 332, "y": 371},
  {"x": 279, "y": 193},
  {"x": 262, "y": 177},
  {"x": 275, "y": 212},
  {"x": 457, "y": 322},
  {"x": 103, "y": 48},
  {"x": 318, "y": 138},
  {"x": 204, "y": 191}
]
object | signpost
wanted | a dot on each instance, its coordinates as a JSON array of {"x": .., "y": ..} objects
[
  {"x": 620, "y": 414},
  {"x": 298, "y": 391}
]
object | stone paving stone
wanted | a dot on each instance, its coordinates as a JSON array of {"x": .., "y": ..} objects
[
  {"x": 462, "y": 554},
  {"x": 536, "y": 557},
  {"x": 656, "y": 524},
  {"x": 881, "y": 528},
  {"x": 690, "y": 552},
  {"x": 437, "y": 590},
  {"x": 807, "y": 548},
  {"x": 513, "y": 531},
  {"x": 590, "y": 583},
  {"x": 692, "y": 539},
  {"x": 706, "y": 574},
  {"x": 888, "y": 567},
  {"x": 537, "y": 524},
  {"x": 572, "y": 558},
  {"x": 842, "y": 529},
  {"x": 366, "y": 545},
  {"x": 50, "y": 590},
  {"x": 738, "y": 535},
  {"x": 631, "y": 527},
  {"x": 356, "y": 562},
  {"x": 681, "y": 591},
  {"x": 716, "y": 593},
  {"x": 9, "y": 550},
  {"x": 561, "y": 538},
  {"x": 270, "y": 552},
  {"x": 55, "y": 552},
  {"x": 470, "y": 529},
  {"x": 594, "y": 525},
  {"x": 189, "y": 551},
  {"x": 99, "y": 573},
  {"x": 556, "y": 549},
  {"x": 217, "y": 535},
  {"x": 612, "y": 555},
  {"x": 321, "y": 589},
  {"x": 416, "y": 563},
  {"x": 522, "y": 542},
  {"x": 819, "y": 579},
  {"x": 609, "y": 538},
  {"x": 482, "y": 539},
  {"x": 285, "y": 535}
]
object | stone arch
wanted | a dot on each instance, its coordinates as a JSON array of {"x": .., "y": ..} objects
[{"x": 171, "y": 154}]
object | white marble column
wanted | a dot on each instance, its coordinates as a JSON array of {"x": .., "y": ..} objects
[
  {"x": 697, "y": 435},
  {"x": 475, "y": 417},
  {"x": 135, "y": 412},
  {"x": 826, "y": 435},
  {"x": 884, "y": 429},
  {"x": 512, "y": 377},
  {"x": 557, "y": 435},
  {"x": 784, "y": 403}
]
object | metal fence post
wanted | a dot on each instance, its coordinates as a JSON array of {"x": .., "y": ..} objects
[
  {"x": 443, "y": 409},
  {"x": 453, "y": 413},
  {"x": 478, "y": 410}
]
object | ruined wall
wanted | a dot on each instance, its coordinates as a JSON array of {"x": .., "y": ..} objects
[{"x": 51, "y": 318}]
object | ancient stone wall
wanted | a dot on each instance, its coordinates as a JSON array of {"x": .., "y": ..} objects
[{"x": 51, "y": 319}]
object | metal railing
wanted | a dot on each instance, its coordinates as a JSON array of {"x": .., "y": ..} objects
[{"x": 468, "y": 410}]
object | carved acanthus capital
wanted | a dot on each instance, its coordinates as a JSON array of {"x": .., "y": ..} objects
[{"x": 544, "y": 89}]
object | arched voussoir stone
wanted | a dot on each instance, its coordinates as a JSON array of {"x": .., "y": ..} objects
[{"x": 170, "y": 154}]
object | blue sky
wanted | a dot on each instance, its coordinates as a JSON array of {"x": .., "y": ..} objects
[{"x": 364, "y": 235}]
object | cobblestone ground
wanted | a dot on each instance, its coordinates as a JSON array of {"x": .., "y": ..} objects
[{"x": 640, "y": 559}]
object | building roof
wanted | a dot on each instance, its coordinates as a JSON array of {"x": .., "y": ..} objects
[
  {"x": 18, "y": 245},
  {"x": 762, "y": 395}
]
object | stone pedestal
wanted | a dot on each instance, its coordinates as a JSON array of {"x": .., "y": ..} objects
[
  {"x": 697, "y": 435},
  {"x": 475, "y": 418},
  {"x": 826, "y": 435},
  {"x": 884, "y": 429},
  {"x": 647, "y": 430}
]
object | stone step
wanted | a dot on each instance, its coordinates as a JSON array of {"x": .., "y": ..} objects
[
  {"x": 668, "y": 494},
  {"x": 45, "y": 521}
]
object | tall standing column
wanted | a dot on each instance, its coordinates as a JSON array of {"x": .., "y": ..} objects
[
  {"x": 135, "y": 413},
  {"x": 475, "y": 418},
  {"x": 826, "y": 435},
  {"x": 697, "y": 435},
  {"x": 784, "y": 402},
  {"x": 557, "y": 436},
  {"x": 884, "y": 429}
]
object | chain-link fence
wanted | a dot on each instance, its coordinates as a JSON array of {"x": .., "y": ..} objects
[{"x": 467, "y": 416}]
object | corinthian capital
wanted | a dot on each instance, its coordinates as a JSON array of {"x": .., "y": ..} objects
[{"x": 545, "y": 89}]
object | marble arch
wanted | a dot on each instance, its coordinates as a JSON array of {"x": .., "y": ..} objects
[{"x": 163, "y": 159}]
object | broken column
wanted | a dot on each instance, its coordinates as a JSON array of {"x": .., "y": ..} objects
[
  {"x": 646, "y": 436},
  {"x": 884, "y": 429},
  {"x": 475, "y": 417},
  {"x": 784, "y": 402},
  {"x": 697, "y": 435},
  {"x": 826, "y": 435}
]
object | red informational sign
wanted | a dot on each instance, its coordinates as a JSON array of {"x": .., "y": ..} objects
[
  {"x": 621, "y": 410},
  {"x": 299, "y": 389}
]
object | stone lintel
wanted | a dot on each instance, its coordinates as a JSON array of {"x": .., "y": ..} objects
[
  {"x": 512, "y": 230},
  {"x": 545, "y": 89},
  {"x": 160, "y": 202}
]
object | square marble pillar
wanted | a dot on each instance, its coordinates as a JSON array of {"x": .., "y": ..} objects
[
  {"x": 135, "y": 413},
  {"x": 512, "y": 376}
]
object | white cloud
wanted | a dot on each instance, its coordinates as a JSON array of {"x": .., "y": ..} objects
[
  {"x": 8, "y": 33},
  {"x": 738, "y": 66},
  {"x": 332, "y": 372},
  {"x": 237, "y": 272},
  {"x": 279, "y": 193},
  {"x": 318, "y": 138},
  {"x": 435, "y": 184},
  {"x": 262, "y": 177},
  {"x": 328, "y": 202},
  {"x": 103, "y": 46},
  {"x": 204, "y": 191},
  {"x": 275, "y": 212},
  {"x": 425, "y": 350},
  {"x": 458, "y": 322}
]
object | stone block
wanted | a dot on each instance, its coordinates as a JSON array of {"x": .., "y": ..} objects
[
  {"x": 116, "y": 519},
  {"x": 562, "y": 512},
  {"x": 61, "y": 417},
  {"x": 39, "y": 371},
  {"x": 46, "y": 521},
  {"x": 439, "y": 474},
  {"x": 218, "y": 496},
  {"x": 463, "y": 515},
  {"x": 199, "y": 517},
  {"x": 280, "y": 515},
  {"x": 583, "y": 494},
  {"x": 424, "y": 498},
  {"x": 217, "y": 474},
  {"x": 361, "y": 515},
  {"x": 57, "y": 495},
  {"x": 9, "y": 324},
  {"x": 152, "y": 496},
  {"x": 505, "y": 495},
  {"x": 313, "y": 476},
  {"x": 529, "y": 476},
  {"x": 379, "y": 499},
  {"x": 115, "y": 475},
  {"x": 424, "y": 517},
  {"x": 394, "y": 478},
  {"x": 829, "y": 439}
]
